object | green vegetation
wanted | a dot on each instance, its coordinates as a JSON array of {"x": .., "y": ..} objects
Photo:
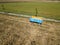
[{"x": 45, "y": 9}]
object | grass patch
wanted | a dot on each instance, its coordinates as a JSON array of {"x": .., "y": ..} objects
[{"x": 45, "y": 9}]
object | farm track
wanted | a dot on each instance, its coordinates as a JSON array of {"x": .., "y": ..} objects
[
  {"x": 13, "y": 1},
  {"x": 20, "y": 15},
  {"x": 19, "y": 31}
]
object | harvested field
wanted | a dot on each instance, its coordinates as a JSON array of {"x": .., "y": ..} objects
[{"x": 19, "y": 31}]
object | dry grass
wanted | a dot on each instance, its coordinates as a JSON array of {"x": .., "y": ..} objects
[{"x": 19, "y": 31}]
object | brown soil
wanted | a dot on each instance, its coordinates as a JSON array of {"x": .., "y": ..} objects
[{"x": 19, "y": 31}]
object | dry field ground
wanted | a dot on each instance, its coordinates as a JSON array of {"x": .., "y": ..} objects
[{"x": 19, "y": 31}]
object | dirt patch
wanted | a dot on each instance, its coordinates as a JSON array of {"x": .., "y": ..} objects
[{"x": 19, "y": 31}]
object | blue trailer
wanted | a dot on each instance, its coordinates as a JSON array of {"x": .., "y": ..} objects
[{"x": 34, "y": 19}]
